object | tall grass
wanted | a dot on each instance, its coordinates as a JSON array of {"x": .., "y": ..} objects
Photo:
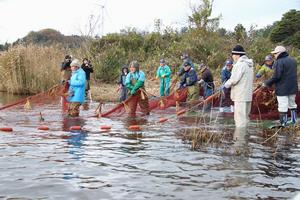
[{"x": 30, "y": 69}]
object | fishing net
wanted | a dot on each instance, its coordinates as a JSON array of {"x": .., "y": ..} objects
[
  {"x": 155, "y": 103},
  {"x": 265, "y": 106},
  {"x": 49, "y": 96},
  {"x": 264, "y": 103}
]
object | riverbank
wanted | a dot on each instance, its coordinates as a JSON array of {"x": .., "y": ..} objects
[{"x": 109, "y": 92}]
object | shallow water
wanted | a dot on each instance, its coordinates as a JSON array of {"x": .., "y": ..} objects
[{"x": 155, "y": 163}]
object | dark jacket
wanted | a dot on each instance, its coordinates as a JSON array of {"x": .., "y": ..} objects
[
  {"x": 225, "y": 74},
  {"x": 122, "y": 79},
  {"x": 285, "y": 75},
  {"x": 88, "y": 69},
  {"x": 65, "y": 65},
  {"x": 208, "y": 77},
  {"x": 189, "y": 78},
  {"x": 181, "y": 70}
]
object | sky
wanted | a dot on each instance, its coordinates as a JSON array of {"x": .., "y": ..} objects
[{"x": 72, "y": 17}]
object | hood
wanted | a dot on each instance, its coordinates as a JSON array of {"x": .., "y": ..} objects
[{"x": 245, "y": 59}]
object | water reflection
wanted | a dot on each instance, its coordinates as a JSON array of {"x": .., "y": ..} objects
[
  {"x": 280, "y": 157},
  {"x": 129, "y": 121},
  {"x": 76, "y": 138},
  {"x": 86, "y": 106},
  {"x": 9, "y": 98},
  {"x": 149, "y": 164},
  {"x": 72, "y": 121},
  {"x": 241, "y": 138}
]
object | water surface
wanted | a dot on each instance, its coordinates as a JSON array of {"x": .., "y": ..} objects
[{"x": 155, "y": 163}]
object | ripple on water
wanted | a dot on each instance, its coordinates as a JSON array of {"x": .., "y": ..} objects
[{"x": 154, "y": 163}]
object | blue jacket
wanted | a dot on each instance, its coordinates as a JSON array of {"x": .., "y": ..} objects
[
  {"x": 164, "y": 70},
  {"x": 189, "y": 78},
  {"x": 225, "y": 74},
  {"x": 77, "y": 86},
  {"x": 136, "y": 76},
  {"x": 284, "y": 76}
]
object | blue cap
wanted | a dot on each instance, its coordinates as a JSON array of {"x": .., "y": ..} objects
[
  {"x": 268, "y": 58},
  {"x": 162, "y": 61},
  {"x": 186, "y": 64},
  {"x": 229, "y": 62}
]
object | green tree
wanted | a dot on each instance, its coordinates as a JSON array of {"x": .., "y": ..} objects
[
  {"x": 287, "y": 29},
  {"x": 240, "y": 33},
  {"x": 201, "y": 14}
]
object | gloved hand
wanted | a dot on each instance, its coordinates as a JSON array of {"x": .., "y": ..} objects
[
  {"x": 263, "y": 85},
  {"x": 129, "y": 86},
  {"x": 183, "y": 86},
  {"x": 133, "y": 92},
  {"x": 222, "y": 87},
  {"x": 71, "y": 93},
  {"x": 137, "y": 85},
  {"x": 201, "y": 81}
]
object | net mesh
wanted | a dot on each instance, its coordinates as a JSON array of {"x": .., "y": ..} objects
[
  {"x": 49, "y": 96},
  {"x": 264, "y": 103},
  {"x": 156, "y": 103}
]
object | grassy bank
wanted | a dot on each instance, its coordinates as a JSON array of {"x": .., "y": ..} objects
[{"x": 108, "y": 92}]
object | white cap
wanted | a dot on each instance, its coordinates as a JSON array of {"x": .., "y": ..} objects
[
  {"x": 279, "y": 49},
  {"x": 75, "y": 62}
]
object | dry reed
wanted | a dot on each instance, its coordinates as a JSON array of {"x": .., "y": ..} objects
[{"x": 30, "y": 69}]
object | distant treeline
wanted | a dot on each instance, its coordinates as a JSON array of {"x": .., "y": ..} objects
[{"x": 202, "y": 39}]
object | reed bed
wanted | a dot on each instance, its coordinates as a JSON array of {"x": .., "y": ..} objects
[{"x": 30, "y": 69}]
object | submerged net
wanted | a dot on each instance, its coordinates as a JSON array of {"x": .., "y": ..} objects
[{"x": 49, "y": 96}]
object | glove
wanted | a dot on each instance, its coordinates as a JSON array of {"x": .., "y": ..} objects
[
  {"x": 163, "y": 76},
  {"x": 201, "y": 81},
  {"x": 222, "y": 87},
  {"x": 71, "y": 93},
  {"x": 132, "y": 92},
  {"x": 263, "y": 85},
  {"x": 135, "y": 88},
  {"x": 137, "y": 85},
  {"x": 182, "y": 85},
  {"x": 129, "y": 86}
]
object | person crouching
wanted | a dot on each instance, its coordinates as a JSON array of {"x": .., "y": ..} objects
[
  {"x": 135, "y": 81},
  {"x": 76, "y": 93}
]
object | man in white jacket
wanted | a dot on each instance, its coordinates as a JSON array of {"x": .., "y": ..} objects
[{"x": 241, "y": 83}]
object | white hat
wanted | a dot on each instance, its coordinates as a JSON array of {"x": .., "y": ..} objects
[
  {"x": 279, "y": 49},
  {"x": 75, "y": 62}
]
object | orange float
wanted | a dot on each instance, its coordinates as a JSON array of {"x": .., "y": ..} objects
[
  {"x": 75, "y": 128},
  {"x": 43, "y": 128},
  {"x": 6, "y": 129},
  {"x": 134, "y": 128},
  {"x": 104, "y": 131},
  {"x": 105, "y": 127},
  {"x": 162, "y": 120}
]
